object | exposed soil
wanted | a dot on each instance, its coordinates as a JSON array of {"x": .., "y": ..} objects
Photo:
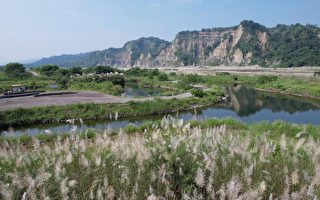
[
  {"x": 245, "y": 70},
  {"x": 79, "y": 97}
]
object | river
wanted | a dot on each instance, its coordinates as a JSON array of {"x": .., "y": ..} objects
[{"x": 243, "y": 103}]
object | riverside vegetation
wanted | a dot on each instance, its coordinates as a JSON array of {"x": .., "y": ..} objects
[
  {"x": 177, "y": 83},
  {"x": 167, "y": 159},
  {"x": 214, "y": 159}
]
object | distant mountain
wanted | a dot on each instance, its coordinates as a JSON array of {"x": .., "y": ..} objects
[{"x": 246, "y": 44}]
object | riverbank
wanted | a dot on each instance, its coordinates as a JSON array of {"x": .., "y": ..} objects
[
  {"x": 275, "y": 91},
  {"x": 67, "y": 98},
  {"x": 51, "y": 114}
]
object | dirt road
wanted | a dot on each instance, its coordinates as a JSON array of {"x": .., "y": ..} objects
[
  {"x": 245, "y": 70},
  {"x": 80, "y": 97}
]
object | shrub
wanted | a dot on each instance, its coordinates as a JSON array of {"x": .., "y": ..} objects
[
  {"x": 266, "y": 79},
  {"x": 16, "y": 70},
  {"x": 116, "y": 80},
  {"x": 49, "y": 70},
  {"x": 163, "y": 77},
  {"x": 198, "y": 93},
  {"x": 116, "y": 90},
  {"x": 104, "y": 69}
]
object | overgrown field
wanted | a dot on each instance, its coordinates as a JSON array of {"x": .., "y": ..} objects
[{"x": 168, "y": 160}]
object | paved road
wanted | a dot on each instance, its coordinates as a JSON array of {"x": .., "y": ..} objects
[{"x": 80, "y": 97}]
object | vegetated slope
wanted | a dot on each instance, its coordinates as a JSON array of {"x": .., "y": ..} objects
[
  {"x": 246, "y": 44},
  {"x": 137, "y": 52}
]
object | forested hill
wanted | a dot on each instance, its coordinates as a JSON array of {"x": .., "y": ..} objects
[{"x": 249, "y": 43}]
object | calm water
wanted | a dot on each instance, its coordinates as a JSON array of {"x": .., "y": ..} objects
[
  {"x": 134, "y": 90},
  {"x": 243, "y": 103}
]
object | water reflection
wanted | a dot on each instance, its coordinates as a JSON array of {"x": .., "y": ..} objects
[
  {"x": 134, "y": 90},
  {"x": 243, "y": 103},
  {"x": 247, "y": 101}
]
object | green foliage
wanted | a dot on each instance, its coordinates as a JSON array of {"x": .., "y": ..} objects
[
  {"x": 15, "y": 70},
  {"x": 198, "y": 93},
  {"x": 139, "y": 72},
  {"x": 117, "y": 80},
  {"x": 252, "y": 27},
  {"x": 300, "y": 86},
  {"x": 76, "y": 71},
  {"x": 63, "y": 72},
  {"x": 95, "y": 111},
  {"x": 294, "y": 45},
  {"x": 263, "y": 79},
  {"x": 104, "y": 69},
  {"x": 187, "y": 58},
  {"x": 49, "y": 70},
  {"x": 163, "y": 77},
  {"x": 63, "y": 82},
  {"x": 209, "y": 49},
  {"x": 192, "y": 78},
  {"x": 116, "y": 90},
  {"x": 148, "y": 47}
]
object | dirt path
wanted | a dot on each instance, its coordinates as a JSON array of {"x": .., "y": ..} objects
[
  {"x": 80, "y": 97},
  {"x": 245, "y": 70}
]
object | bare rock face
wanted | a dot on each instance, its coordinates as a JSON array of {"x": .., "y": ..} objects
[
  {"x": 246, "y": 44},
  {"x": 238, "y": 57},
  {"x": 214, "y": 46}
]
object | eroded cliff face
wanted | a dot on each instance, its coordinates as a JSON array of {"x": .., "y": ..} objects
[
  {"x": 246, "y": 44},
  {"x": 206, "y": 47},
  {"x": 212, "y": 47}
]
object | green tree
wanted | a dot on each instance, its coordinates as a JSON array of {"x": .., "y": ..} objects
[
  {"x": 76, "y": 70},
  {"x": 163, "y": 77},
  {"x": 198, "y": 93},
  {"x": 63, "y": 72},
  {"x": 104, "y": 69},
  {"x": 49, "y": 70},
  {"x": 117, "y": 80},
  {"x": 15, "y": 70},
  {"x": 63, "y": 82}
]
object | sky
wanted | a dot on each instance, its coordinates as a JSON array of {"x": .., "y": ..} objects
[{"x": 32, "y": 29}]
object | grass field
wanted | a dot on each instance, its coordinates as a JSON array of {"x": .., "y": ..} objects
[{"x": 168, "y": 159}]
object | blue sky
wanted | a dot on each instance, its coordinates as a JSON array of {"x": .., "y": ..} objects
[{"x": 40, "y": 28}]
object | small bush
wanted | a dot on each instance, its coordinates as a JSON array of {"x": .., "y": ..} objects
[
  {"x": 198, "y": 93},
  {"x": 163, "y": 77}
]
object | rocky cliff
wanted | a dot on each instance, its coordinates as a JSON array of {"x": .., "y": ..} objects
[{"x": 246, "y": 44}]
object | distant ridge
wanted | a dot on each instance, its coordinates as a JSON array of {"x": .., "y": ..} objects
[{"x": 249, "y": 43}]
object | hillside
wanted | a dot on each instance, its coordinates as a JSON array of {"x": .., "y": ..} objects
[{"x": 246, "y": 44}]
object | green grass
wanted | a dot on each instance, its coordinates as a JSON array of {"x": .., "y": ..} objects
[
  {"x": 40, "y": 83},
  {"x": 24, "y": 116},
  {"x": 292, "y": 85},
  {"x": 104, "y": 87},
  {"x": 310, "y": 86}
]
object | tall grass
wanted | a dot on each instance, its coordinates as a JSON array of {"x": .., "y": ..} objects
[{"x": 170, "y": 160}]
